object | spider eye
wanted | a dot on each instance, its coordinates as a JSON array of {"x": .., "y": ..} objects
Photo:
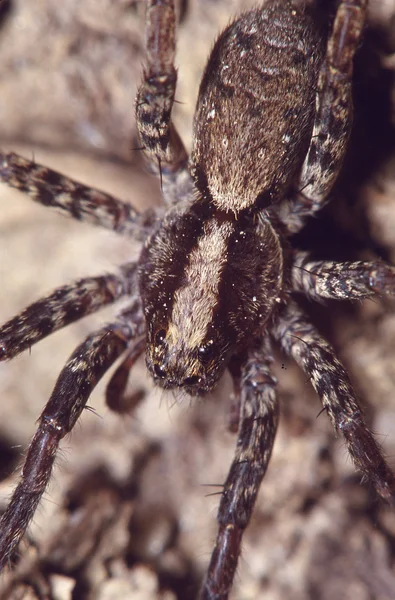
[
  {"x": 160, "y": 337},
  {"x": 206, "y": 352}
]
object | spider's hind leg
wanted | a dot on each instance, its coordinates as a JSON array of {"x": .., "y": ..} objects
[
  {"x": 82, "y": 372},
  {"x": 155, "y": 99},
  {"x": 333, "y": 116},
  {"x": 315, "y": 356}
]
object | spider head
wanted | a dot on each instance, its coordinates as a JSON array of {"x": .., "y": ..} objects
[
  {"x": 208, "y": 284},
  {"x": 175, "y": 362}
]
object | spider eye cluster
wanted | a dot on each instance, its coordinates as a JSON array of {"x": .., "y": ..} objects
[
  {"x": 160, "y": 337},
  {"x": 206, "y": 352}
]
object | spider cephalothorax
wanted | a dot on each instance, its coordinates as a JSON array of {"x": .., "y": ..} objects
[
  {"x": 211, "y": 289},
  {"x": 219, "y": 277}
]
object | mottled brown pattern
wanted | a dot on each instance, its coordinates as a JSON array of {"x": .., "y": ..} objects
[{"x": 265, "y": 68}]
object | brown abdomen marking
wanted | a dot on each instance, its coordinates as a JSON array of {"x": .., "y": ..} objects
[{"x": 255, "y": 108}]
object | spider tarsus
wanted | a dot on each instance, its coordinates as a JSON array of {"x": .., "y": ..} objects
[
  {"x": 367, "y": 456},
  {"x": 223, "y": 563},
  {"x": 25, "y": 499}
]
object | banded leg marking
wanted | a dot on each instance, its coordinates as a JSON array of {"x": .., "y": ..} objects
[
  {"x": 81, "y": 374},
  {"x": 316, "y": 357},
  {"x": 64, "y": 306},
  {"x": 342, "y": 281},
  {"x": 257, "y": 430},
  {"x": 154, "y": 103},
  {"x": 333, "y": 118},
  {"x": 69, "y": 197}
]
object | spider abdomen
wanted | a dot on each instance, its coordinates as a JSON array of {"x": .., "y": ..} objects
[{"x": 255, "y": 109}]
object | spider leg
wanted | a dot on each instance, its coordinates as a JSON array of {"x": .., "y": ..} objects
[
  {"x": 316, "y": 357},
  {"x": 69, "y": 197},
  {"x": 115, "y": 392},
  {"x": 333, "y": 118},
  {"x": 342, "y": 281},
  {"x": 64, "y": 306},
  {"x": 235, "y": 369},
  {"x": 155, "y": 99},
  {"x": 257, "y": 429},
  {"x": 82, "y": 372}
]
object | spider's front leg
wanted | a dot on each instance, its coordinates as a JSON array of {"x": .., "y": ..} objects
[
  {"x": 315, "y": 356},
  {"x": 64, "y": 306},
  {"x": 82, "y": 372},
  {"x": 257, "y": 430},
  {"x": 333, "y": 115}
]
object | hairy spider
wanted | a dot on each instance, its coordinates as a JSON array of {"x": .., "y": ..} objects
[{"x": 218, "y": 278}]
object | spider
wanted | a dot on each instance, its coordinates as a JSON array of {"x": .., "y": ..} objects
[{"x": 219, "y": 277}]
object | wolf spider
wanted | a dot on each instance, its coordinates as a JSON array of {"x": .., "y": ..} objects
[{"x": 218, "y": 278}]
